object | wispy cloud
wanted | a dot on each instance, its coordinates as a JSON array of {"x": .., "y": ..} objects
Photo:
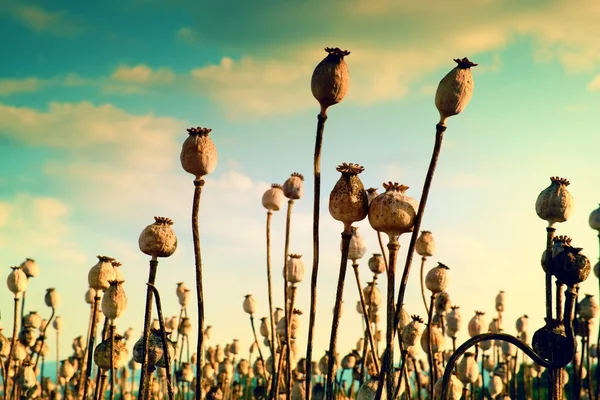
[
  {"x": 41, "y": 20},
  {"x": 13, "y": 86}
]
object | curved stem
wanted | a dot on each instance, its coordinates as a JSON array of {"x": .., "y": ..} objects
[
  {"x": 551, "y": 365},
  {"x": 198, "y": 184},
  {"x": 388, "y": 358},
  {"x": 346, "y": 236},
  {"x": 422, "y": 281},
  {"x": 270, "y": 289},
  {"x": 144, "y": 374},
  {"x": 287, "y": 311},
  {"x": 321, "y": 118},
  {"x": 163, "y": 337},
  {"x": 43, "y": 338},
  {"x": 365, "y": 315},
  {"x": 401, "y": 377}
]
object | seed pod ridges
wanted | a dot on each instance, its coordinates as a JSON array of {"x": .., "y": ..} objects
[
  {"x": 358, "y": 246},
  {"x": 455, "y": 90},
  {"x": 393, "y": 212},
  {"x": 198, "y": 154},
  {"x": 17, "y": 281},
  {"x": 348, "y": 201},
  {"x": 425, "y": 245},
  {"x": 330, "y": 79},
  {"x": 101, "y": 273},
  {"x": 293, "y": 187},
  {"x": 158, "y": 239},
  {"x": 555, "y": 203},
  {"x": 273, "y": 198}
]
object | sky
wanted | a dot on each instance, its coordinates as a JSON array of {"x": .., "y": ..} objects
[{"x": 95, "y": 99}]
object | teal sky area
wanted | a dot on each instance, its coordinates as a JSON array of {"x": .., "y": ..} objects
[{"x": 95, "y": 99}]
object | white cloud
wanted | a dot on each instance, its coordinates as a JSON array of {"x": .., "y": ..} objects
[{"x": 96, "y": 132}]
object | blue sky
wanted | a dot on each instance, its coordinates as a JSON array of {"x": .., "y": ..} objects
[{"x": 95, "y": 99}]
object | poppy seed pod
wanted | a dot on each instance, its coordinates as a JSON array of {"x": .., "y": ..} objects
[
  {"x": 57, "y": 323},
  {"x": 372, "y": 295},
  {"x": 468, "y": 369},
  {"x": 30, "y": 268},
  {"x": 404, "y": 319},
  {"x": 294, "y": 269},
  {"x": 570, "y": 266},
  {"x": 359, "y": 307},
  {"x": 495, "y": 326},
  {"x": 557, "y": 246},
  {"x": 278, "y": 314},
  {"x": 234, "y": 348},
  {"x": 101, "y": 273},
  {"x": 89, "y": 295},
  {"x": 442, "y": 303},
  {"x": 500, "y": 299},
  {"x": 102, "y": 353},
  {"x": 588, "y": 307},
  {"x": 453, "y": 320},
  {"x": 348, "y": 202},
  {"x": 293, "y": 187},
  {"x": 595, "y": 219},
  {"x": 555, "y": 203},
  {"x": 495, "y": 386},
  {"x": 118, "y": 274},
  {"x": 294, "y": 324},
  {"x": 357, "y": 248},
  {"x": 114, "y": 300},
  {"x": 371, "y": 194},
  {"x": 180, "y": 288},
  {"x": 437, "y": 340},
  {"x": 184, "y": 298},
  {"x": 425, "y": 245},
  {"x": 198, "y": 154},
  {"x": 454, "y": 390},
  {"x": 273, "y": 198},
  {"x": 522, "y": 323},
  {"x": 26, "y": 379},
  {"x": 17, "y": 281},
  {"x": 330, "y": 79},
  {"x": 264, "y": 328},
  {"x": 52, "y": 298},
  {"x": 436, "y": 279},
  {"x": 249, "y": 304},
  {"x": 185, "y": 327},
  {"x": 32, "y": 319},
  {"x": 597, "y": 270},
  {"x": 412, "y": 332},
  {"x": 377, "y": 264},
  {"x": 477, "y": 324},
  {"x": 455, "y": 90},
  {"x": 393, "y": 212},
  {"x": 158, "y": 239},
  {"x": 368, "y": 390}
]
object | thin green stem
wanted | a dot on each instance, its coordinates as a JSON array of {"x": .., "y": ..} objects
[{"x": 145, "y": 374}]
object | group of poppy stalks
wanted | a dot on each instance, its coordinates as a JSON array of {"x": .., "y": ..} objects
[{"x": 392, "y": 213}]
